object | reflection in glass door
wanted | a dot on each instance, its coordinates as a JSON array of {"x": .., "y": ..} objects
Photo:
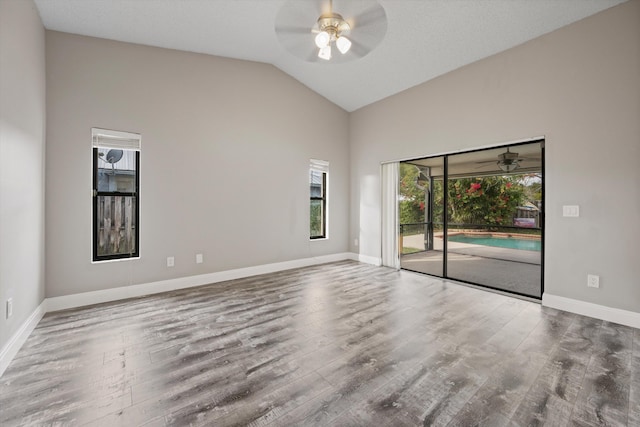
[
  {"x": 421, "y": 216},
  {"x": 492, "y": 234}
]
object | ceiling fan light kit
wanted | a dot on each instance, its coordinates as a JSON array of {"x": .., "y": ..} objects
[
  {"x": 343, "y": 44},
  {"x": 333, "y": 29},
  {"x": 507, "y": 165},
  {"x": 325, "y": 53}
]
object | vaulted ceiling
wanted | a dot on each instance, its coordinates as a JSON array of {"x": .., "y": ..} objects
[{"x": 424, "y": 38}]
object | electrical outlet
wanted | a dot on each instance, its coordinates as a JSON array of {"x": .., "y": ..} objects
[
  {"x": 593, "y": 281},
  {"x": 9, "y": 307},
  {"x": 199, "y": 259},
  {"x": 171, "y": 261},
  {"x": 355, "y": 242}
]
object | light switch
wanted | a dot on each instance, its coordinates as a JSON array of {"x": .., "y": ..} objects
[{"x": 571, "y": 211}]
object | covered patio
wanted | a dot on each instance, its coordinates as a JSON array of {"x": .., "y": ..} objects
[{"x": 512, "y": 270}]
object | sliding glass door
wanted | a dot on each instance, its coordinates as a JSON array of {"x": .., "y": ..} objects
[{"x": 476, "y": 217}]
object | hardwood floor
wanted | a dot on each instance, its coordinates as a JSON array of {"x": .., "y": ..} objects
[{"x": 342, "y": 344}]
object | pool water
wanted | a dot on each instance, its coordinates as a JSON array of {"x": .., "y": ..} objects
[{"x": 508, "y": 242}]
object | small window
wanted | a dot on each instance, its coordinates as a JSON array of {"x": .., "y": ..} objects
[
  {"x": 318, "y": 180},
  {"x": 116, "y": 194}
]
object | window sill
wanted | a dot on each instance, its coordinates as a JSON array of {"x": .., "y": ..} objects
[{"x": 115, "y": 260}]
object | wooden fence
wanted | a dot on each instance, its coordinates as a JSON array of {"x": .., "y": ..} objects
[{"x": 116, "y": 225}]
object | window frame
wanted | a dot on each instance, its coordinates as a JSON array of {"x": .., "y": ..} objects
[
  {"x": 321, "y": 167},
  {"x": 96, "y": 194}
]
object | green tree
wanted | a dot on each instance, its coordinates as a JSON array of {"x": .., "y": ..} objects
[
  {"x": 491, "y": 200},
  {"x": 411, "y": 195},
  {"x": 316, "y": 218}
]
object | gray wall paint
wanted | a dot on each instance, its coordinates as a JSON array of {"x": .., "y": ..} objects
[
  {"x": 226, "y": 145},
  {"x": 224, "y": 166},
  {"x": 22, "y": 149},
  {"x": 579, "y": 86}
]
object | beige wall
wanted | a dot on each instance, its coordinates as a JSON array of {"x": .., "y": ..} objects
[
  {"x": 224, "y": 165},
  {"x": 578, "y": 86},
  {"x": 22, "y": 149}
]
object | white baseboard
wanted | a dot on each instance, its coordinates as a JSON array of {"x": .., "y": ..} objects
[
  {"x": 368, "y": 259},
  {"x": 615, "y": 315},
  {"x": 14, "y": 344},
  {"x": 114, "y": 294}
]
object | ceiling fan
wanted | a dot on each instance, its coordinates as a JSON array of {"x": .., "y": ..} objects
[
  {"x": 330, "y": 30},
  {"x": 508, "y": 161}
]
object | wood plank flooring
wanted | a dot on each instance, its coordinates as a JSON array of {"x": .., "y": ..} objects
[{"x": 341, "y": 344}]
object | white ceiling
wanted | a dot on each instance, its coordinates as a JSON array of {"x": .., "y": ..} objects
[{"x": 424, "y": 39}]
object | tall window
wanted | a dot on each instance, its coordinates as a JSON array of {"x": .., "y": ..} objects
[
  {"x": 116, "y": 194},
  {"x": 318, "y": 172}
]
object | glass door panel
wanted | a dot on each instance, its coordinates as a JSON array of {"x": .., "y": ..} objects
[
  {"x": 493, "y": 212},
  {"x": 421, "y": 216}
]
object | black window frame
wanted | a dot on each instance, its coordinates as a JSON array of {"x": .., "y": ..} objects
[
  {"x": 95, "y": 223},
  {"x": 322, "y": 198}
]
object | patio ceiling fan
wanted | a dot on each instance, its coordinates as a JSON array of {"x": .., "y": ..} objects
[
  {"x": 508, "y": 161},
  {"x": 330, "y": 31}
]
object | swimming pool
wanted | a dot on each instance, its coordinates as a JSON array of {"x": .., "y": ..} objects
[{"x": 499, "y": 242}]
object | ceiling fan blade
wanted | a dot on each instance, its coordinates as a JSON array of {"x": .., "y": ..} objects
[
  {"x": 358, "y": 49},
  {"x": 480, "y": 167},
  {"x": 294, "y": 26},
  {"x": 368, "y": 28},
  {"x": 313, "y": 56},
  {"x": 374, "y": 15},
  {"x": 301, "y": 48},
  {"x": 293, "y": 30},
  {"x": 299, "y": 13}
]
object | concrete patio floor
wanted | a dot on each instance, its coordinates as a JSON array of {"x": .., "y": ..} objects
[{"x": 510, "y": 270}]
